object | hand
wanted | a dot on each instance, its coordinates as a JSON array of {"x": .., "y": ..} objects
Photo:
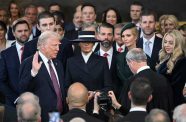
[
  {"x": 36, "y": 65},
  {"x": 115, "y": 103},
  {"x": 96, "y": 106},
  {"x": 90, "y": 94}
]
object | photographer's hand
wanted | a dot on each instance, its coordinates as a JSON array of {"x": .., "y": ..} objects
[
  {"x": 96, "y": 106},
  {"x": 115, "y": 103}
]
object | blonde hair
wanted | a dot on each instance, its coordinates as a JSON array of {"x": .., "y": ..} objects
[
  {"x": 172, "y": 19},
  {"x": 162, "y": 23},
  {"x": 177, "y": 51}
]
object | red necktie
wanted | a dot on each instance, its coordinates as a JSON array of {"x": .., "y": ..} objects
[
  {"x": 56, "y": 87},
  {"x": 22, "y": 49},
  {"x": 120, "y": 49},
  {"x": 105, "y": 55}
]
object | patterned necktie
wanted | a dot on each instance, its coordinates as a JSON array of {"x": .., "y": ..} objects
[
  {"x": 21, "y": 50},
  {"x": 56, "y": 87},
  {"x": 120, "y": 49},
  {"x": 105, "y": 55},
  {"x": 147, "y": 48}
]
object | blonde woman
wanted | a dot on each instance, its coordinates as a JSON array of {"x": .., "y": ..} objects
[
  {"x": 170, "y": 23},
  {"x": 173, "y": 63}
]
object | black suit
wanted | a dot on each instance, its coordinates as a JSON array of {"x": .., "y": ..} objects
[
  {"x": 9, "y": 74},
  {"x": 134, "y": 116},
  {"x": 154, "y": 59},
  {"x": 177, "y": 78},
  {"x": 41, "y": 85},
  {"x": 80, "y": 114},
  {"x": 162, "y": 92}
]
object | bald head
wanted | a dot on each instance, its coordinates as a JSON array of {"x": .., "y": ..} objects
[{"x": 77, "y": 95}]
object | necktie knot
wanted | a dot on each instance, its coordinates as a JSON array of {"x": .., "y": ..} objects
[
  {"x": 120, "y": 49},
  {"x": 105, "y": 54}
]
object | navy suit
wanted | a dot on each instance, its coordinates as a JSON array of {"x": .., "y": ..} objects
[
  {"x": 134, "y": 116},
  {"x": 9, "y": 74},
  {"x": 154, "y": 59},
  {"x": 41, "y": 85}
]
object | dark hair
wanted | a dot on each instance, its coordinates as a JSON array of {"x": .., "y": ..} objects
[
  {"x": 60, "y": 16},
  {"x": 104, "y": 16},
  {"x": 54, "y": 4},
  {"x": 18, "y": 22},
  {"x": 148, "y": 12},
  {"x": 140, "y": 91},
  {"x": 106, "y": 25},
  {"x": 119, "y": 25},
  {"x": 13, "y": 2},
  {"x": 88, "y": 4},
  {"x": 3, "y": 25},
  {"x": 138, "y": 4},
  {"x": 58, "y": 22},
  {"x": 44, "y": 14}
]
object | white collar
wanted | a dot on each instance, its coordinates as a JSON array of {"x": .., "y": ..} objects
[
  {"x": 43, "y": 57},
  {"x": 142, "y": 68},
  {"x": 151, "y": 39},
  {"x": 86, "y": 57},
  {"x": 18, "y": 46},
  {"x": 123, "y": 47},
  {"x": 138, "y": 109},
  {"x": 109, "y": 52}
]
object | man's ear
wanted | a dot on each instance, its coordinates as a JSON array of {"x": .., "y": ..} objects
[
  {"x": 129, "y": 95},
  {"x": 150, "y": 98},
  {"x": 38, "y": 27}
]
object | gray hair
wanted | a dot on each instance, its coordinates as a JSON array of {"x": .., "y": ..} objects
[
  {"x": 45, "y": 36},
  {"x": 136, "y": 54},
  {"x": 25, "y": 97},
  {"x": 88, "y": 25},
  {"x": 179, "y": 114},
  {"x": 29, "y": 112},
  {"x": 157, "y": 115}
]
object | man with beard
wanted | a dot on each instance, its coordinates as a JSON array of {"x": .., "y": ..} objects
[
  {"x": 10, "y": 61},
  {"x": 89, "y": 69},
  {"x": 105, "y": 32},
  {"x": 150, "y": 43}
]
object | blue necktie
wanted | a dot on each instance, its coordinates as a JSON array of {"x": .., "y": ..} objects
[{"x": 147, "y": 48}]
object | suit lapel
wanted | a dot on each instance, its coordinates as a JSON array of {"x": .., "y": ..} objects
[{"x": 14, "y": 55}]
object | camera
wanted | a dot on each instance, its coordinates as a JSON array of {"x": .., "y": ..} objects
[{"x": 104, "y": 101}]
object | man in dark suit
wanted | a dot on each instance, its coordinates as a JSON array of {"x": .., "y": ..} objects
[
  {"x": 10, "y": 61},
  {"x": 77, "y": 103},
  {"x": 46, "y": 22},
  {"x": 43, "y": 75},
  {"x": 140, "y": 94},
  {"x": 150, "y": 43},
  {"x": 162, "y": 92},
  {"x": 90, "y": 69},
  {"x": 106, "y": 34}
]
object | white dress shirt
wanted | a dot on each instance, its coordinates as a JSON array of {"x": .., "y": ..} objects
[
  {"x": 123, "y": 47},
  {"x": 109, "y": 57},
  {"x": 142, "y": 68},
  {"x": 137, "y": 109},
  {"x": 151, "y": 44},
  {"x": 86, "y": 57},
  {"x": 19, "y": 51}
]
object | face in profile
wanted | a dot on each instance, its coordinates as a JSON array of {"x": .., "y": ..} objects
[
  {"x": 169, "y": 43},
  {"x": 51, "y": 47}
]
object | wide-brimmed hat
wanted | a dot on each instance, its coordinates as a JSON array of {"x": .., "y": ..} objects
[{"x": 86, "y": 36}]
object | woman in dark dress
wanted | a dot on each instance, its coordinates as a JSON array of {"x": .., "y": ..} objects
[{"x": 173, "y": 63}]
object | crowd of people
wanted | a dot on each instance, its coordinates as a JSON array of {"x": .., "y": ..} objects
[{"x": 88, "y": 71}]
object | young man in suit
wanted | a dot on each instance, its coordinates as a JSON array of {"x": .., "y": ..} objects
[
  {"x": 77, "y": 103},
  {"x": 43, "y": 75},
  {"x": 90, "y": 69},
  {"x": 105, "y": 33},
  {"x": 10, "y": 61},
  {"x": 140, "y": 94},
  {"x": 149, "y": 42}
]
